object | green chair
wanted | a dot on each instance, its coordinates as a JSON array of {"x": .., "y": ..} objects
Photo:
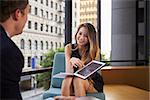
[{"x": 55, "y": 86}]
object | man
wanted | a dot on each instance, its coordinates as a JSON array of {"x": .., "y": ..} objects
[{"x": 13, "y": 16}]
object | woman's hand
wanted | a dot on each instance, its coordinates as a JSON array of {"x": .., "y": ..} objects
[{"x": 76, "y": 62}]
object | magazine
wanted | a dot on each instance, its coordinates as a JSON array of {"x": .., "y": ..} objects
[{"x": 84, "y": 72}]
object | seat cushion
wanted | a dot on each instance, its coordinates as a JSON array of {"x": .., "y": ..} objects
[
  {"x": 51, "y": 93},
  {"x": 99, "y": 95}
]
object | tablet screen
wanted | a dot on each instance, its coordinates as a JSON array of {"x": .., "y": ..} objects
[{"x": 89, "y": 69}]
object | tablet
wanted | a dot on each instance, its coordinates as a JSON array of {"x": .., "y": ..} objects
[{"x": 89, "y": 69}]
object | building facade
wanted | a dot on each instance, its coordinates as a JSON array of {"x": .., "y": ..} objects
[
  {"x": 88, "y": 11},
  {"x": 75, "y": 17},
  {"x": 43, "y": 31}
]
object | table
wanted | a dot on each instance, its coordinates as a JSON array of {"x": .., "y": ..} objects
[{"x": 35, "y": 71}]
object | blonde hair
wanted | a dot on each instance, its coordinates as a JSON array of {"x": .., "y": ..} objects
[{"x": 91, "y": 51}]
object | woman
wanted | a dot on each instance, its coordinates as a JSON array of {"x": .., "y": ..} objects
[{"x": 77, "y": 55}]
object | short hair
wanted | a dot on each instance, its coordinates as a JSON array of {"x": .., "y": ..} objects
[{"x": 8, "y": 7}]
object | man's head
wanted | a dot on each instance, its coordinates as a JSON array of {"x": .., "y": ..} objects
[{"x": 14, "y": 11}]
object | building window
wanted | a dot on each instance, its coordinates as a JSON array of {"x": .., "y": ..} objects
[
  {"x": 75, "y": 24},
  {"x": 36, "y": 11},
  {"x": 29, "y": 61},
  {"x": 41, "y": 27},
  {"x": 60, "y": 18},
  {"x": 36, "y": 45},
  {"x": 51, "y": 29},
  {"x": 30, "y": 44},
  {"x": 46, "y": 28},
  {"x": 29, "y": 24},
  {"x": 56, "y": 6},
  {"x": 22, "y": 44},
  {"x": 46, "y": 45},
  {"x": 46, "y": 2},
  {"x": 55, "y": 17},
  {"x": 41, "y": 12},
  {"x": 30, "y": 9},
  {"x": 35, "y": 26},
  {"x": 51, "y": 45},
  {"x": 51, "y": 4},
  {"x": 60, "y": 7},
  {"x": 41, "y": 45},
  {"x": 41, "y": 1},
  {"x": 75, "y": 5},
  {"x": 47, "y": 14},
  {"x": 51, "y": 16},
  {"x": 56, "y": 30}
]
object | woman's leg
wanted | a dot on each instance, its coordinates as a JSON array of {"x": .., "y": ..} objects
[
  {"x": 82, "y": 86},
  {"x": 66, "y": 86}
]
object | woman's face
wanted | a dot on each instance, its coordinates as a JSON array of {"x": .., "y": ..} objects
[{"x": 82, "y": 37}]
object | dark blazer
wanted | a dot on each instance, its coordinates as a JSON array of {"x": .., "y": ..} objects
[{"x": 12, "y": 62}]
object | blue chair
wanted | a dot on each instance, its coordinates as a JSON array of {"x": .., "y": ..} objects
[{"x": 55, "y": 86}]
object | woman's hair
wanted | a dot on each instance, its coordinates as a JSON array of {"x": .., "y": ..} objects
[
  {"x": 8, "y": 7},
  {"x": 91, "y": 50}
]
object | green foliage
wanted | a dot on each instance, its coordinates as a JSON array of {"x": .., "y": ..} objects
[
  {"x": 103, "y": 58},
  {"x": 44, "y": 78},
  {"x": 48, "y": 59}
]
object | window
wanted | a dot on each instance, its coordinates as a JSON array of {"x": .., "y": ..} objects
[
  {"x": 29, "y": 61},
  {"x": 51, "y": 45},
  {"x": 30, "y": 9},
  {"x": 46, "y": 2},
  {"x": 41, "y": 27},
  {"x": 41, "y": 1},
  {"x": 46, "y": 28},
  {"x": 22, "y": 43},
  {"x": 36, "y": 45},
  {"x": 51, "y": 29},
  {"x": 55, "y": 17},
  {"x": 51, "y": 16},
  {"x": 75, "y": 24},
  {"x": 47, "y": 14},
  {"x": 51, "y": 4},
  {"x": 36, "y": 11},
  {"x": 29, "y": 24},
  {"x": 75, "y": 14},
  {"x": 41, "y": 12},
  {"x": 56, "y": 6},
  {"x": 35, "y": 25},
  {"x": 75, "y": 5},
  {"x": 29, "y": 44},
  {"x": 41, "y": 45},
  {"x": 60, "y": 18},
  {"x": 46, "y": 45},
  {"x": 60, "y": 7},
  {"x": 55, "y": 30}
]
